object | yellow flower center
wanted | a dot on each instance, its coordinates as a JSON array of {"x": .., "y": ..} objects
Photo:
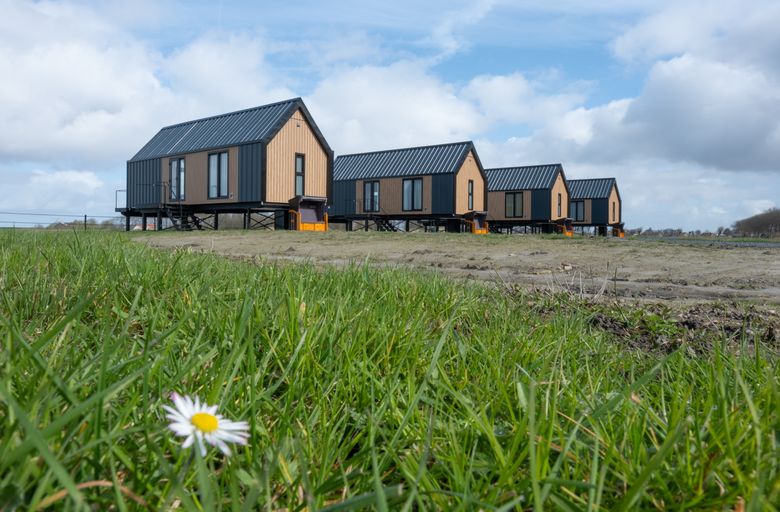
[{"x": 205, "y": 422}]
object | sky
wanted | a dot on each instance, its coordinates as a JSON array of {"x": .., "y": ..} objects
[{"x": 678, "y": 100}]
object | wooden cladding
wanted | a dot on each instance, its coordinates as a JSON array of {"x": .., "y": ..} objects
[
  {"x": 614, "y": 206},
  {"x": 196, "y": 177},
  {"x": 391, "y": 196},
  {"x": 559, "y": 190},
  {"x": 587, "y": 210},
  {"x": 296, "y": 137},
  {"x": 497, "y": 206},
  {"x": 469, "y": 171}
]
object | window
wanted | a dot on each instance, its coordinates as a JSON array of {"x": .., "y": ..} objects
[
  {"x": 300, "y": 171},
  {"x": 614, "y": 217},
  {"x": 412, "y": 194},
  {"x": 371, "y": 196},
  {"x": 218, "y": 175},
  {"x": 577, "y": 210},
  {"x": 560, "y": 199},
  {"x": 176, "y": 179},
  {"x": 513, "y": 204},
  {"x": 471, "y": 194}
]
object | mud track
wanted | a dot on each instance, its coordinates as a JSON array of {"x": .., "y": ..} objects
[{"x": 637, "y": 269}]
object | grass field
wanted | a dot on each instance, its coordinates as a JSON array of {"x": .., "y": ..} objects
[{"x": 364, "y": 388}]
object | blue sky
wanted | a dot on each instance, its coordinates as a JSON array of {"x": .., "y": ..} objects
[{"x": 678, "y": 100}]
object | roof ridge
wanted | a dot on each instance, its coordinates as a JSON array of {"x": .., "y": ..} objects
[
  {"x": 523, "y": 167},
  {"x": 409, "y": 148},
  {"x": 226, "y": 114},
  {"x": 592, "y": 179}
]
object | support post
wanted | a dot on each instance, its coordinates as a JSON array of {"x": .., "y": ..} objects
[
  {"x": 158, "y": 224},
  {"x": 216, "y": 221},
  {"x": 143, "y": 221},
  {"x": 85, "y": 222},
  {"x": 127, "y": 222}
]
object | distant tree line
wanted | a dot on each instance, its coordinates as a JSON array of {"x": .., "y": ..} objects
[{"x": 764, "y": 224}]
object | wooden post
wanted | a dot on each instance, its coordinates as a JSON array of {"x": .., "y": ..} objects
[
  {"x": 144, "y": 220},
  {"x": 85, "y": 222},
  {"x": 216, "y": 221},
  {"x": 127, "y": 222},
  {"x": 158, "y": 224}
]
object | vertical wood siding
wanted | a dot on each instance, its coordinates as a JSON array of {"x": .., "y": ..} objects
[
  {"x": 196, "y": 177},
  {"x": 497, "y": 206},
  {"x": 391, "y": 196},
  {"x": 469, "y": 171},
  {"x": 613, "y": 199},
  {"x": 559, "y": 187},
  {"x": 296, "y": 136}
]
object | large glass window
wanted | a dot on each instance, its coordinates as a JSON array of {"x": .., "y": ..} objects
[
  {"x": 614, "y": 216},
  {"x": 300, "y": 174},
  {"x": 577, "y": 210},
  {"x": 176, "y": 179},
  {"x": 513, "y": 204},
  {"x": 371, "y": 196},
  {"x": 218, "y": 175},
  {"x": 412, "y": 194},
  {"x": 560, "y": 204},
  {"x": 471, "y": 194}
]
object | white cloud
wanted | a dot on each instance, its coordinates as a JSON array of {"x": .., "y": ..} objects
[
  {"x": 736, "y": 31},
  {"x": 86, "y": 92},
  {"x": 756, "y": 206},
  {"x": 513, "y": 98},
  {"x": 708, "y": 101},
  {"x": 377, "y": 107},
  {"x": 444, "y": 34},
  {"x": 59, "y": 191},
  {"x": 225, "y": 73}
]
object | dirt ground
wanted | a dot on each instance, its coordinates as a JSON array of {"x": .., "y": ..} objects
[{"x": 637, "y": 269}]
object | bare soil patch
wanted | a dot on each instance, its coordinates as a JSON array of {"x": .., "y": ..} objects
[{"x": 636, "y": 269}]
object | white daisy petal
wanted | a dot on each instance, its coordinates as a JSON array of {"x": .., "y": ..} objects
[
  {"x": 181, "y": 404},
  {"x": 181, "y": 429},
  {"x": 223, "y": 447},
  {"x": 234, "y": 425},
  {"x": 201, "y": 425}
]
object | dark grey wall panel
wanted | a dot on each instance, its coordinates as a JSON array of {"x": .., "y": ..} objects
[
  {"x": 600, "y": 211},
  {"x": 250, "y": 169},
  {"x": 343, "y": 199},
  {"x": 144, "y": 183},
  {"x": 443, "y": 194},
  {"x": 540, "y": 204}
]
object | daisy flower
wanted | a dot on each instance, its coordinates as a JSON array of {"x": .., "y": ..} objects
[{"x": 200, "y": 422}]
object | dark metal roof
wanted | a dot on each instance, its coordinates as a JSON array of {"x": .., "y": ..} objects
[
  {"x": 597, "y": 188},
  {"x": 441, "y": 159},
  {"x": 531, "y": 177},
  {"x": 251, "y": 125}
]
